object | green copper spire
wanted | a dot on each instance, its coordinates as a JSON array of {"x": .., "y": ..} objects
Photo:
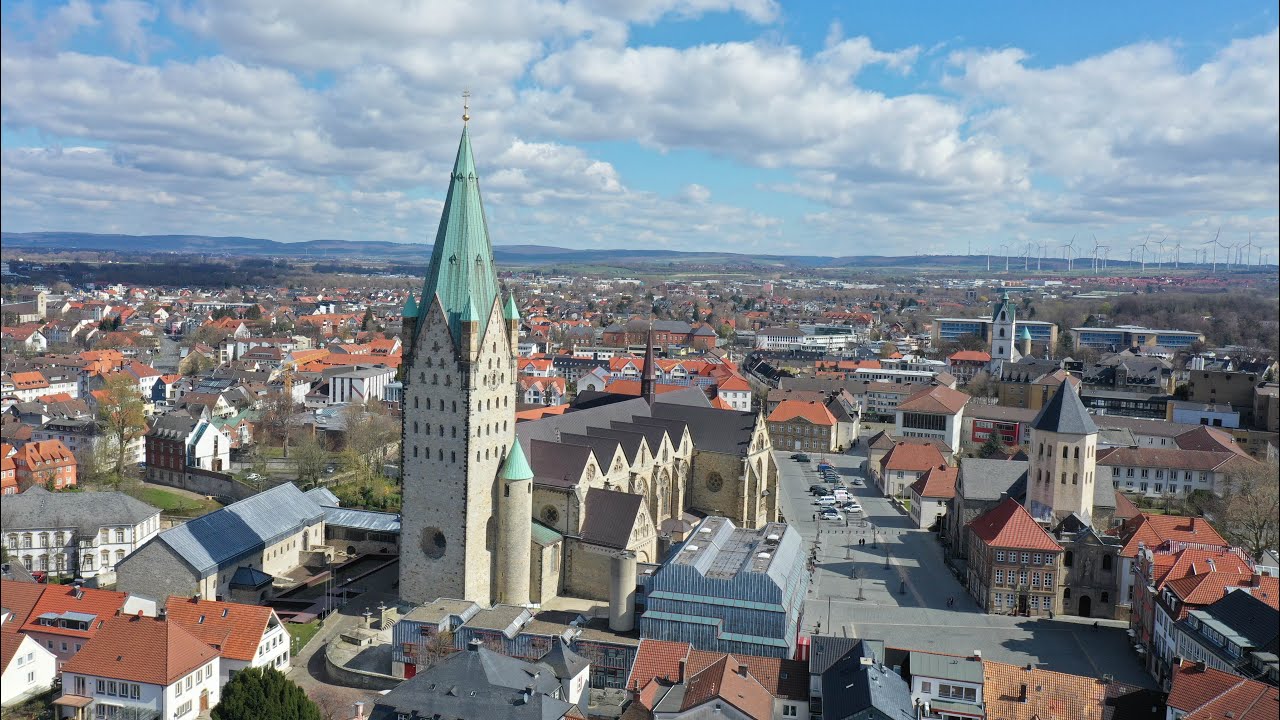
[
  {"x": 516, "y": 466},
  {"x": 509, "y": 310},
  {"x": 461, "y": 271},
  {"x": 410, "y": 307},
  {"x": 1025, "y": 334}
]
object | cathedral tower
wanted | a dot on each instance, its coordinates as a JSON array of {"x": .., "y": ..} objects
[
  {"x": 1002, "y": 331},
  {"x": 1064, "y": 446},
  {"x": 459, "y": 410}
]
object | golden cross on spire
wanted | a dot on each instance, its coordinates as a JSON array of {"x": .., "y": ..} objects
[{"x": 466, "y": 105}]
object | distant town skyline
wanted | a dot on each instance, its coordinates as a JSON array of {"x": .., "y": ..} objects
[{"x": 723, "y": 125}]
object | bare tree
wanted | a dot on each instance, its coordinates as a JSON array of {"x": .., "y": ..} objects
[
  {"x": 1249, "y": 511},
  {"x": 309, "y": 459},
  {"x": 275, "y": 414},
  {"x": 122, "y": 416},
  {"x": 369, "y": 434}
]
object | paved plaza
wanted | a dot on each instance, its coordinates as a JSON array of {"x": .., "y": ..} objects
[{"x": 896, "y": 585}]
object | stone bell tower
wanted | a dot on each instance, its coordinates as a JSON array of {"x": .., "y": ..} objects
[{"x": 459, "y": 412}]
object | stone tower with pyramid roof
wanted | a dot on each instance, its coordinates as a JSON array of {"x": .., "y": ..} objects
[
  {"x": 460, "y": 338},
  {"x": 1064, "y": 446}
]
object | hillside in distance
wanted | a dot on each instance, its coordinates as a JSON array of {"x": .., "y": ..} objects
[{"x": 512, "y": 255}]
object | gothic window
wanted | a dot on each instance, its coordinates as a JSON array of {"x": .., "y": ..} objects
[
  {"x": 422, "y": 376},
  {"x": 441, "y": 431},
  {"x": 1077, "y": 453},
  {"x": 415, "y": 403},
  {"x": 440, "y": 455},
  {"x": 1041, "y": 448},
  {"x": 453, "y": 456},
  {"x": 415, "y": 451},
  {"x": 1106, "y": 564},
  {"x": 428, "y": 362},
  {"x": 550, "y": 515},
  {"x": 448, "y": 380},
  {"x": 415, "y": 427},
  {"x": 1002, "y": 329},
  {"x": 455, "y": 405},
  {"x": 1064, "y": 452},
  {"x": 715, "y": 481},
  {"x": 455, "y": 430}
]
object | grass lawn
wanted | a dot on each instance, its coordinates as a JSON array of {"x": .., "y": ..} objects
[
  {"x": 301, "y": 634},
  {"x": 174, "y": 503}
]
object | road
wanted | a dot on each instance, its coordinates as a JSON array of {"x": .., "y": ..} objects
[{"x": 895, "y": 588}]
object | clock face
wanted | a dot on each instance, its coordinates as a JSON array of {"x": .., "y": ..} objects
[{"x": 714, "y": 482}]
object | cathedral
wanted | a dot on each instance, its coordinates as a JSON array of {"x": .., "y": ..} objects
[{"x": 495, "y": 513}]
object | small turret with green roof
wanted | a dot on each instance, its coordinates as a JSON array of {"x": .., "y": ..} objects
[
  {"x": 410, "y": 307},
  {"x": 516, "y": 466}
]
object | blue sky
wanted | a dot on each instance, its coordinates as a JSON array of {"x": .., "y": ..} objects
[{"x": 792, "y": 128}]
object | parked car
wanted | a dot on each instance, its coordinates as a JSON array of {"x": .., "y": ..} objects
[
  {"x": 801, "y": 457},
  {"x": 857, "y": 482},
  {"x": 819, "y": 490},
  {"x": 795, "y": 456},
  {"x": 826, "y": 500},
  {"x": 853, "y": 507},
  {"x": 831, "y": 515}
]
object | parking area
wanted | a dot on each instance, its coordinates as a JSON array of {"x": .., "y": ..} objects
[{"x": 877, "y": 576}]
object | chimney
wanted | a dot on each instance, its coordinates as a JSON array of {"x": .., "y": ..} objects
[
  {"x": 742, "y": 670},
  {"x": 476, "y": 644},
  {"x": 866, "y": 661},
  {"x": 1022, "y": 693},
  {"x": 1200, "y": 666},
  {"x": 977, "y": 654},
  {"x": 195, "y": 598},
  {"x": 1255, "y": 579},
  {"x": 359, "y": 711},
  {"x": 161, "y": 614}
]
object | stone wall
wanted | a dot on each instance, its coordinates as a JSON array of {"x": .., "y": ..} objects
[
  {"x": 205, "y": 482},
  {"x": 155, "y": 571}
]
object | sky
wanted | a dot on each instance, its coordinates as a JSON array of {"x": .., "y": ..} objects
[{"x": 798, "y": 128}]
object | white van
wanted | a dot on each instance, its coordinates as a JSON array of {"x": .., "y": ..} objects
[
  {"x": 841, "y": 494},
  {"x": 826, "y": 500}
]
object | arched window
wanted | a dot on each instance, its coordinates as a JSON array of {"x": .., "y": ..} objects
[
  {"x": 1001, "y": 329},
  {"x": 1106, "y": 564},
  {"x": 1066, "y": 594},
  {"x": 415, "y": 427},
  {"x": 1063, "y": 479},
  {"x": 1064, "y": 452},
  {"x": 1068, "y": 558},
  {"x": 422, "y": 376},
  {"x": 1106, "y": 596},
  {"x": 455, "y": 430},
  {"x": 435, "y": 378},
  {"x": 415, "y": 403},
  {"x": 441, "y": 431},
  {"x": 1041, "y": 449},
  {"x": 453, "y": 456},
  {"x": 415, "y": 451},
  {"x": 1077, "y": 453}
]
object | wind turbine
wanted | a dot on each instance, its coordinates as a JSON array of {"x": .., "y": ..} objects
[
  {"x": 1143, "y": 246},
  {"x": 1249, "y": 246},
  {"x": 1214, "y": 243},
  {"x": 1160, "y": 251},
  {"x": 1177, "y": 254},
  {"x": 1044, "y": 246},
  {"x": 1070, "y": 248},
  {"x": 1096, "y": 246},
  {"x": 988, "y": 258},
  {"x": 1026, "y": 260}
]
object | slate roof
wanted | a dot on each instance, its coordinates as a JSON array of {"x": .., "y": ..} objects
[
  {"x": 985, "y": 479},
  {"x": 87, "y": 512},
  {"x": 563, "y": 661},
  {"x": 561, "y": 464},
  {"x": 174, "y": 426},
  {"x": 1009, "y": 525},
  {"x": 1065, "y": 414},
  {"x": 210, "y": 541},
  {"x": 851, "y": 689},
  {"x": 140, "y": 649},
  {"x": 946, "y": 667},
  {"x": 721, "y": 431},
  {"x": 477, "y": 683},
  {"x": 371, "y": 520},
  {"x": 1250, "y": 618},
  {"x": 610, "y": 516},
  {"x": 323, "y": 497}
]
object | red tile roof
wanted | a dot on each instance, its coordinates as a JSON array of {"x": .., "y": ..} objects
[
  {"x": 1208, "y": 694},
  {"x": 20, "y": 598},
  {"x": 58, "y": 599},
  {"x": 721, "y": 680},
  {"x": 938, "y": 400},
  {"x": 1154, "y": 530},
  {"x": 814, "y": 412},
  {"x": 938, "y": 482},
  {"x": 657, "y": 659},
  {"x": 234, "y": 629},
  {"x": 783, "y": 678},
  {"x": 1049, "y": 695},
  {"x": 915, "y": 457},
  {"x": 1009, "y": 525},
  {"x": 970, "y": 356},
  {"x": 140, "y": 649},
  {"x": 1208, "y": 587}
]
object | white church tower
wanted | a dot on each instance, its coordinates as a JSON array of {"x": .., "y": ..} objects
[
  {"x": 459, "y": 418},
  {"x": 1002, "y": 338}
]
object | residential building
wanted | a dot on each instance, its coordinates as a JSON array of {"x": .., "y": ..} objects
[
  {"x": 245, "y": 636},
  {"x": 947, "y": 687},
  {"x": 802, "y": 426},
  {"x": 933, "y": 413},
  {"x": 140, "y": 666},
  {"x": 931, "y": 495},
  {"x": 1211, "y": 414},
  {"x": 904, "y": 464},
  {"x": 981, "y": 484},
  {"x": 359, "y": 384},
  {"x": 1026, "y": 692},
  {"x": 266, "y": 534},
  {"x": 1200, "y": 692},
  {"x": 27, "y": 668},
  {"x": 1168, "y": 472},
  {"x": 45, "y": 463},
  {"x": 539, "y": 390},
  {"x": 1010, "y": 425},
  {"x": 82, "y": 534},
  {"x": 730, "y": 589},
  {"x": 853, "y": 682},
  {"x": 8, "y": 470},
  {"x": 1012, "y": 562},
  {"x": 1238, "y": 634},
  {"x": 675, "y": 680},
  {"x": 965, "y": 364},
  {"x": 65, "y": 617},
  {"x": 1164, "y": 536},
  {"x": 480, "y": 683}
]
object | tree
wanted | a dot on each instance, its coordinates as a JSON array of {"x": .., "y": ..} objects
[
  {"x": 264, "y": 694},
  {"x": 276, "y": 412},
  {"x": 369, "y": 432},
  {"x": 309, "y": 459},
  {"x": 1249, "y": 511},
  {"x": 992, "y": 447},
  {"x": 122, "y": 417}
]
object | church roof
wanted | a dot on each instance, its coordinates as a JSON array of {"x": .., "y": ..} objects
[
  {"x": 1004, "y": 306},
  {"x": 509, "y": 310},
  {"x": 516, "y": 466},
  {"x": 1025, "y": 334},
  {"x": 1065, "y": 414},
  {"x": 461, "y": 273}
]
